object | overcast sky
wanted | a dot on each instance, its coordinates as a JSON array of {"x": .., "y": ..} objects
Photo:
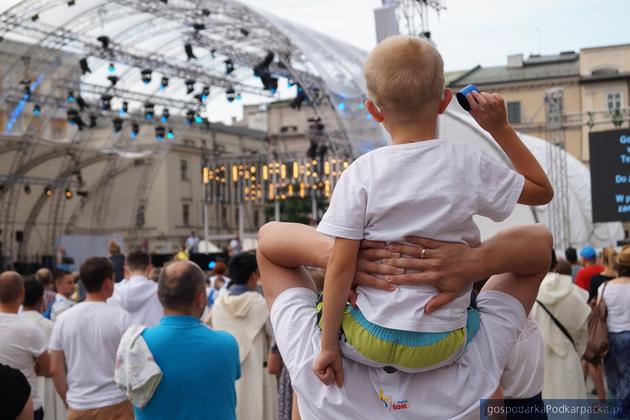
[{"x": 472, "y": 32}]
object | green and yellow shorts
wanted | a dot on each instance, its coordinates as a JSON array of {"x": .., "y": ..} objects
[{"x": 407, "y": 351}]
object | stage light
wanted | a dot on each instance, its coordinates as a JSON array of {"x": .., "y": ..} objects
[
  {"x": 205, "y": 93},
  {"x": 74, "y": 118},
  {"x": 296, "y": 103},
  {"x": 190, "y": 55},
  {"x": 37, "y": 110},
  {"x": 230, "y": 94},
  {"x": 106, "y": 102},
  {"x": 213, "y": 53},
  {"x": 190, "y": 86},
  {"x": 93, "y": 120},
  {"x": 27, "y": 189},
  {"x": 83, "y": 194},
  {"x": 212, "y": 264},
  {"x": 159, "y": 132},
  {"x": 124, "y": 109},
  {"x": 361, "y": 106},
  {"x": 27, "y": 89},
  {"x": 83, "y": 63},
  {"x": 165, "y": 115},
  {"x": 190, "y": 116},
  {"x": 149, "y": 111},
  {"x": 229, "y": 66},
  {"x": 118, "y": 124},
  {"x": 48, "y": 191},
  {"x": 81, "y": 103},
  {"x": 205, "y": 12},
  {"x": 70, "y": 97},
  {"x": 104, "y": 40},
  {"x": 71, "y": 3},
  {"x": 198, "y": 119},
  {"x": 113, "y": 79},
  {"x": 199, "y": 26},
  {"x": 244, "y": 31},
  {"x": 135, "y": 130},
  {"x": 164, "y": 1},
  {"x": 111, "y": 68},
  {"x": 170, "y": 135},
  {"x": 341, "y": 106},
  {"x": 163, "y": 83},
  {"x": 146, "y": 76},
  {"x": 68, "y": 193},
  {"x": 35, "y": 18}
]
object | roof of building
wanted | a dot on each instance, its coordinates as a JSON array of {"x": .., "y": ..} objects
[{"x": 535, "y": 67}]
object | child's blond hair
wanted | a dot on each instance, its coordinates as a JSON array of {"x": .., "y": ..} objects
[{"x": 405, "y": 78}]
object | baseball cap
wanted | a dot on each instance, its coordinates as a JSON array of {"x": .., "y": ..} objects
[
  {"x": 624, "y": 256},
  {"x": 588, "y": 253}
]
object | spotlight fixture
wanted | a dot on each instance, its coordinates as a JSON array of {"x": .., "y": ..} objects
[
  {"x": 48, "y": 191},
  {"x": 27, "y": 189},
  {"x": 190, "y": 55},
  {"x": 113, "y": 79},
  {"x": 83, "y": 194},
  {"x": 164, "y": 1},
  {"x": 229, "y": 66},
  {"x": 135, "y": 130},
  {"x": 35, "y": 18},
  {"x": 205, "y": 93},
  {"x": 104, "y": 40},
  {"x": 244, "y": 31},
  {"x": 205, "y": 12},
  {"x": 159, "y": 132},
  {"x": 71, "y": 3},
  {"x": 213, "y": 53},
  {"x": 69, "y": 194},
  {"x": 165, "y": 116},
  {"x": 190, "y": 86},
  {"x": 74, "y": 118},
  {"x": 37, "y": 110},
  {"x": 230, "y": 94},
  {"x": 27, "y": 89},
  {"x": 70, "y": 97},
  {"x": 93, "y": 120},
  {"x": 296, "y": 103},
  {"x": 111, "y": 68},
  {"x": 83, "y": 63},
  {"x": 190, "y": 116},
  {"x": 198, "y": 119},
  {"x": 124, "y": 108},
  {"x": 199, "y": 98},
  {"x": 149, "y": 110},
  {"x": 170, "y": 135},
  {"x": 199, "y": 26},
  {"x": 261, "y": 70},
  {"x": 146, "y": 76},
  {"x": 118, "y": 123},
  {"x": 106, "y": 102},
  {"x": 163, "y": 83}
]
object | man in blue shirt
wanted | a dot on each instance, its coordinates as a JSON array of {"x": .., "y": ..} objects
[{"x": 200, "y": 366}]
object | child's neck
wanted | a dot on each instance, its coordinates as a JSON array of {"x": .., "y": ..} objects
[{"x": 412, "y": 133}]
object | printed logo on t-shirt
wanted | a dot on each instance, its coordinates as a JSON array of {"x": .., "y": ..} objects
[{"x": 391, "y": 404}]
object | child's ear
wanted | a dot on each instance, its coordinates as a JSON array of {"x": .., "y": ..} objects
[
  {"x": 374, "y": 110},
  {"x": 446, "y": 99}
]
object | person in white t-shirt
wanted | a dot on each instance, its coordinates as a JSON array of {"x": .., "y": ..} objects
[
  {"x": 449, "y": 392},
  {"x": 22, "y": 344},
  {"x": 192, "y": 243},
  {"x": 85, "y": 339},
  {"x": 420, "y": 185},
  {"x": 137, "y": 294},
  {"x": 65, "y": 287}
]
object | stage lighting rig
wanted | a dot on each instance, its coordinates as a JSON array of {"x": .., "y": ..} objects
[
  {"x": 164, "y": 83},
  {"x": 190, "y": 86},
  {"x": 48, "y": 190},
  {"x": 229, "y": 66},
  {"x": 188, "y": 49},
  {"x": 149, "y": 111},
  {"x": 165, "y": 115},
  {"x": 104, "y": 40},
  {"x": 169, "y": 134},
  {"x": 135, "y": 130},
  {"x": 159, "y": 132},
  {"x": 146, "y": 76},
  {"x": 230, "y": 94},
  {"x": 113, "y": 79},
  {"x": 69, "y": 194},
  {"x": 118, "y": 124},
  {"x": 83, "y": 63},
  {"x": 106, "y": 102}
]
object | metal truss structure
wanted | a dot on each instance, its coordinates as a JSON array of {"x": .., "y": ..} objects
[{"x": 228, "y": 42}]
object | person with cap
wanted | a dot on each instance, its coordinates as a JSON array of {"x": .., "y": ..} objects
[{"x": 591, "y": 268}]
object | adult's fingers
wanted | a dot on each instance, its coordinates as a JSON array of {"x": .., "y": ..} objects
[
  {"x": 376, "y": 254},
  {"x": 377, "y": 268},
  {"x": 363, "y": 279},
  {"x": 438, "y": 301},
  {"x": 413, "y": 263},
  {"x": 372, "y": 244},
  {"x": 481, "y": 100},
  {"x": 413, "y": 278},
  {"x": 424, "y": 242}
]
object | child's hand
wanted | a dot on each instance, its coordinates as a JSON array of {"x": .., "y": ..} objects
[
  {"x": 327, "y": 367},
  {"x": 488, "y": 110}
]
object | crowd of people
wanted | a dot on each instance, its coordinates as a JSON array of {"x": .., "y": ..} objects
[{"x": 362, "y": 317}]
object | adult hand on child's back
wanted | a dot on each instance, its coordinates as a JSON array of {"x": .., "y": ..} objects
[
  {"x": 449, "y": 267},
  {"x": 370, "y": 265},
  {"x": 488, "y": 109}
]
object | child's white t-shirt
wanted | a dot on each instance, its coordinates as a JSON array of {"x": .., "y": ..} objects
[{"x": 430, "y": 189}]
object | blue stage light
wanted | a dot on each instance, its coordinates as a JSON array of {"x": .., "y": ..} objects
[
  {"x": 341, "y": 106},
  {"x": 170, "y": 135},
  {"x": 37, "y": 111},
  {"x": 111, "y": 68},
  {"x": 212, "y": 264},
  {"x": 361, "y": 106},
  {"x": 70, "y": 98},
  {"x": 198, "y": 119}
]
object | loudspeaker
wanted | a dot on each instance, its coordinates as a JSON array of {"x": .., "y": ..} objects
[{"x": 19, "y": 235}]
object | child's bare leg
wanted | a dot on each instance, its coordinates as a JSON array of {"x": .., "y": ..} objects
[{"x": 292, "y": 245}]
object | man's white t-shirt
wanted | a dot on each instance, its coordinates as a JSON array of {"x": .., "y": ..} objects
[
  {"x": 449, "y": 392},
  {"x": 430, "y": 189},
  {"x": 21, "y": 342},
  {"x": 89, "y": 334},
  {"x": 524, "y": 374}
]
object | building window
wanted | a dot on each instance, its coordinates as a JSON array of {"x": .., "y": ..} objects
[
  {"x": 183, "y": 166},
  {"x": 514, "y": 112},
  {"x": 613, "y": 100},
  {"x": 186, "y": 214}
]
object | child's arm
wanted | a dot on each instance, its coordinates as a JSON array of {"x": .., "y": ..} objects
[
  {"x": 489, "y": 111},
  {"x": 339, "y": 274}
]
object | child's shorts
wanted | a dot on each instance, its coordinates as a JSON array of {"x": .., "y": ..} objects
[{"x": 407, "y": 351}]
